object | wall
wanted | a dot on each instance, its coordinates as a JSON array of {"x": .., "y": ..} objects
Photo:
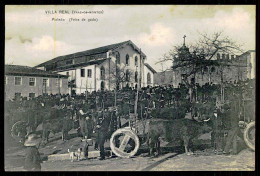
[
  {"x": 38, "y": 89},
  {"x": 230, "y": 73},
  {"x": 128, "y": 49},
  {"x": 164, "y": 78},
  {"x": 146, "y": 71},
  {"x": 253, "y": 68},
  {"x": 94, "y": 83}
]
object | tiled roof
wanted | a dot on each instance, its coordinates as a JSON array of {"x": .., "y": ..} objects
[
  {"x": 29, "y": 71},
  {"x": 94, "y": 51},
  {"x": 151, "y": 68},
  {"x": 245, "y": 53}
]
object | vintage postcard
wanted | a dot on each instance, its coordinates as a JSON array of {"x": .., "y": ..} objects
[{"x": 130, "y": 87}]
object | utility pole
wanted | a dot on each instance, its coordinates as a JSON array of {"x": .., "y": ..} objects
[
  {"x": 136, "y": 101},
  {"x": 59, "y": 83},
  {"x": 140, "y": 78},
  {"x": 45, "y": 86},
  {"x": 87, "y": 88},
  {"x": 109, "y": 74}
]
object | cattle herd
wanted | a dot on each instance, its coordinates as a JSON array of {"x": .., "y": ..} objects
[{"x": 165, "y": 105}]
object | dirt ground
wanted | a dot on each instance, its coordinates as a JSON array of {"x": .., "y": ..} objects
[
  {"x": 201, "y": 160},
  {"x": 208, "y": 161}
]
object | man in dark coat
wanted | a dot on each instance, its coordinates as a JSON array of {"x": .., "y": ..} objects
[
  {"x": 233, "y": 119},
  {"x": 103, "y": 128},
  {"x": 32, "y": 157}
]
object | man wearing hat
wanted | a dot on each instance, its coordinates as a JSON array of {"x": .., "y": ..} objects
[
  {"x": 32, "y": 157},
  {"x": 102, "y": 127},
  {"x": 232, "y": 118}
]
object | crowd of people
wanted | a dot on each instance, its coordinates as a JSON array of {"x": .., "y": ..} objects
[{"x": 108, "y": 107}]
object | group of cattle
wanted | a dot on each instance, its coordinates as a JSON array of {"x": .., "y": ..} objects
[
  {"x": 64, "y": 123},
  {"x": 184, "y": 130}
]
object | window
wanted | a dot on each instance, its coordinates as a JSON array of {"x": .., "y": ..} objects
[
  {"x": 5, "y": 80},
  {"x": 102, "y": 85},
  {"x": 118, "y": 58},
  {"x": 227, "y": 56},
  {"x": 18, "y": 80},
  {"x": 102, "y": 73},
  {"x": 45, "y": 82},
  {"x": 32, "y": 95},
  {"x": 31, "y": 81},
  {"x": 148, "y": 78},
  {"x": 67, "y": 73},
  {"x": 89, "y": 73},
  {"x": 127, "y": 59},
  {"x": 136, "y": 61},
  {"x": 223, "y": 56},
  {"x": 82, "y": 72},
  {"x": 57, "y": 82},
  {"x": 127, "y": 75},
  {"x": 136, "y": 76}
]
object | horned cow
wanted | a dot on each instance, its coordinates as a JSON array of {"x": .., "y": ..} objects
[
  {"x": 183, "y": 130},
  {"x": 63, "y": 125}
]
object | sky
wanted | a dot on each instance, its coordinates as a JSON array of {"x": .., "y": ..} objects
[{"x": 33, "y": 37}]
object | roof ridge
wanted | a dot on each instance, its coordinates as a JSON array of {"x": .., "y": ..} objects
[
  {"x": 93, "y": 49},
  {"x": 115, "y": 45},
  {"x": 20, "y": 69}
]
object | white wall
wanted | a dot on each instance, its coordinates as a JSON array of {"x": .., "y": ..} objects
[
  {"x": 146, "y": 71},
  {"x": 84, "y": 82},
  {"x": 253, "y": 60}
]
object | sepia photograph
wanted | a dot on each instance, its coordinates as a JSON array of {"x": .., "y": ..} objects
[{"x": 129, "y": 88}]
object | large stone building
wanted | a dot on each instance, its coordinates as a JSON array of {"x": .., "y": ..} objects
[
  {"x": 104, "y": 68},
  {"x": 240, "y": 67},
  {"x": 23, "y": 81}
]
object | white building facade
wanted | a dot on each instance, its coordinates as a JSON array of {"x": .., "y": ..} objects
[{"x": 105, "y": 68}]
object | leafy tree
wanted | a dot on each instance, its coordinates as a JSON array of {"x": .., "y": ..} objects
[{"x": 200, "y": 55}]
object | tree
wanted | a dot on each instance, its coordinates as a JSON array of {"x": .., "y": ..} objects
[
  {"x": 202, "y": 55},
  {"x": 120, "y": 75}
]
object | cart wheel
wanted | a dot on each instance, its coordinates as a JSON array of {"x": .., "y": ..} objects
[
  {"x": 18, "y": 130},
  {"x": 249, "y": 135},
  {"x": 124, "y": 143}
]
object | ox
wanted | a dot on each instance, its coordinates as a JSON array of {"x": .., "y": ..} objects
[
  {"x": 63, "y": 125},
  {"x": 178, "y": 130}
]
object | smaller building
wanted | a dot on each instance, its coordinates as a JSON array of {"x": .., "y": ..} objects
[
  {"x": 148, "y": 75},
  {"x": 23, "y": 81}
]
